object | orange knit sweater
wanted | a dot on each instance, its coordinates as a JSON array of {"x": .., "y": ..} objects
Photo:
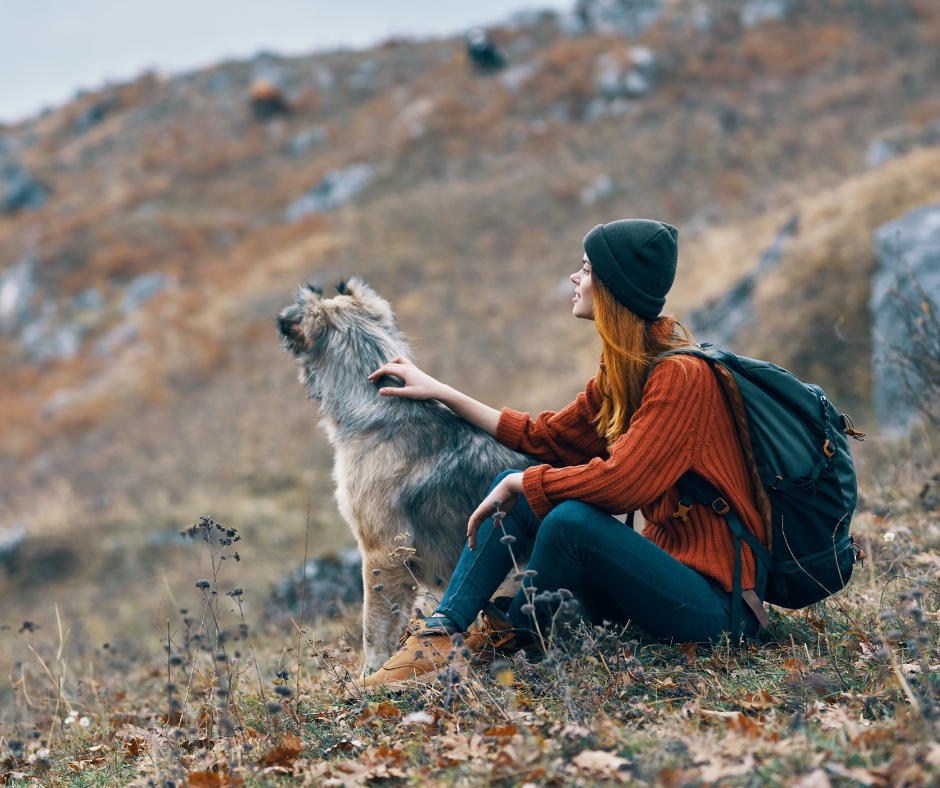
[{"x": 683, "y": 423}]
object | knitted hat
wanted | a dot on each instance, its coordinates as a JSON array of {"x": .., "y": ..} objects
[{"x": 636, "y": 260}]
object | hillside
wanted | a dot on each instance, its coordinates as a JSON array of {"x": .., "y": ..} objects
[{"x": 130, "y": 405}]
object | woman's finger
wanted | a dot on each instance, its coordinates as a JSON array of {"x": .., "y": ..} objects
[{"x": 391, "y": 368}]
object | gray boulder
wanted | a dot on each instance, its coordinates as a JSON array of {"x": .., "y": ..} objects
[
  {"x": 304, "y": 140},
  {"x": 633, "y": 80},
  {"x": 92, "y": 116},
  {"x": 45, "y": 338},
  {"x": 333, "y": 190},
  {"x": 17, "y": 288},
  {"x": 626, "y": 17},
  {"x": 142, "y": 289},
  {"x": 19, "y": 189},
  {"x": 904, "y": 246},
  {"x": 756, "y": 12},
  {"x": 324, "y": 586},
  {"x": 721, "y": 320}
]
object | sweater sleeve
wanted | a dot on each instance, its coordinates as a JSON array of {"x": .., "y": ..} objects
[
  {"x": 659, "y": 446},
  {"x": 568, "y": 437}
]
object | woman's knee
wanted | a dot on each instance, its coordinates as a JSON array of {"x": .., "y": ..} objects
[{"x": 567, "y": 515}]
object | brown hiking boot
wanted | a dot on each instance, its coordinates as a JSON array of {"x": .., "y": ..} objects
[
  {"x": 422, "y": 655},
  {"x": 426, "y": 652}
]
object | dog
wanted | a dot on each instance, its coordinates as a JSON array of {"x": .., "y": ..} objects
[{"x": 401, "y": 466}]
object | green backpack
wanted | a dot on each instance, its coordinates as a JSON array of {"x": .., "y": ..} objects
[{"x": 797, "y": 450}]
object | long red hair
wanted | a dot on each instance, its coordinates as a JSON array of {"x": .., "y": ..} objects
[{"x": 629, "y": 344}]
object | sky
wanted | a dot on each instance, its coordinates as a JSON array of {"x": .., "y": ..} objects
[{"x": 49, "y": 49}]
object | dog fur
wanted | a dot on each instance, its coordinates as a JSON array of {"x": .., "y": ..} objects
[{"x": 401, "y": 466}]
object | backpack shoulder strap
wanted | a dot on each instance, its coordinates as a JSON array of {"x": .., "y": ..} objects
[{"x": 739, "y": 412}]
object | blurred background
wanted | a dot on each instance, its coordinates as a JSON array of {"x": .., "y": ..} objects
[{"x": 170, "y": 172}]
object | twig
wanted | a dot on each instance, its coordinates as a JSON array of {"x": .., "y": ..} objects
[{"x": 303, "y": 598}]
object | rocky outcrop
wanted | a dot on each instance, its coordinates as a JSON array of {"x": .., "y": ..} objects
[
  {"x": 333, "y": 190},
  {"x": 626, "y": 17},
  {"x": 721, "y": 321},
  {"x": 19, "y": 189},
  {"x": 909, "y": 245},
  {"x": 331, "y": 581}
]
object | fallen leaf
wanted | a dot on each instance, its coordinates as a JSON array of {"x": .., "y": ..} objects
[
  {"x": 602, "y": 763},
  {"x": 759, "y": 700},
  {"x": 284, "y": 753},
  {"x": 345, "y": 745},
  {"x": 380, "y": 711},
  {"x": 212, "y": 780},
  {"x": 856, "y": 773},
  {"x": 689, "y": 651},
  {"x": 815, "y": 779},
  {"x": 502, "y": 733}
]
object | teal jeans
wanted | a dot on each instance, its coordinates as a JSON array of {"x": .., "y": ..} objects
[{"x": 621, "y": 575}]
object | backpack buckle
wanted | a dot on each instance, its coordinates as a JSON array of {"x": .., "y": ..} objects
[
  {"x": 829, "y": 448},
  {"x": 683, "y": 512},
  {"x": 720, "y": 505}
]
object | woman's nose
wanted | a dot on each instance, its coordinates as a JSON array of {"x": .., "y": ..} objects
[{"x": 575, "y": 277}]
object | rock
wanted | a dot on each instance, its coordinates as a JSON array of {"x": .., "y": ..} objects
[
  {"x": 19, "y": 189},
  {"x": 561, "y": 112},
  {"x": 595, "y": 109},
  {"x": 333, "y": 578},
  {"x": 217, "y": 82},
  {"x": 325, "y": 78},
  {"x": 365, "y": 76},
  {"x": 10, "y": 541},
  {"x": 89, "y": 300},
  {"x": 483, "y": 53},
  {"x": 45, "y": 340},
  {"x": 756, "y": 12},
  {"x": 879, "y": 152},
  {"x": 142, "y": 289},
  {"x": 17, "y": 288},
  {"x": 304, "y": 140},
  {"x": 626, "y": 17},
  {"x": 119, "y": 337},
  {"x": 913, "y": 241},
  {"x": 720, "y": 321},
  {"x": 266, "y": 99},
  {"x": 92, "y": 116},
  {"x": 634, "y": 79},
  {"x": 516, "y": 77},
  {"x": 333, "y": 190},
  {"x": 600, "y": 188}
]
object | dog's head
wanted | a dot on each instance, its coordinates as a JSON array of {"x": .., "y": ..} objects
[{"x": 357, "y": 324}]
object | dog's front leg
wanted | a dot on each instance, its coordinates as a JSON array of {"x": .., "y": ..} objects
[{"x": 384, "y": 612}]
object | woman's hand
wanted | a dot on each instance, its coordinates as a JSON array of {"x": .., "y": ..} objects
[
  {"x": 505, "y": 494},
  {"x": 418, "y": 384}
]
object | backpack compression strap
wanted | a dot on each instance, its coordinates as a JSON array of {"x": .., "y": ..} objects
[{"x": 693, "y": 486}]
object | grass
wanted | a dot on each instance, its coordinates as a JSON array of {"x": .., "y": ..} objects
[{"x": 843, "y": 693}]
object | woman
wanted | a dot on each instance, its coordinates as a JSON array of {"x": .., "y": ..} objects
[{"x": 620, "y": 446}]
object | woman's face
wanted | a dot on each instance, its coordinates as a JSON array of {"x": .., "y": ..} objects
[{"x": 583, "y": 296}]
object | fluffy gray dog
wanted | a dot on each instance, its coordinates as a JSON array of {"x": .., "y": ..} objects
[{"x": 401, "y": 466}]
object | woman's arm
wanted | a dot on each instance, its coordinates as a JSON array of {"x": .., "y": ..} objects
[{"x": 420, "y": 385}]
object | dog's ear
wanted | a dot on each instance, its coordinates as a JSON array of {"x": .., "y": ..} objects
[
  {"x": 342, "y": 288},
  {"x": 290, "y": 330},
  {"x": 371, "y": 301},
  {"x": 308, "y": 293}
]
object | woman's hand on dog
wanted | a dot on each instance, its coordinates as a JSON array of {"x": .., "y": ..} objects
[
  {"x": 418, "y": 384},
  {"x": 505, "y": 495}
]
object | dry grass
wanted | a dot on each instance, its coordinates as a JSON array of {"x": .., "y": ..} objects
[
  {"x": 468, "y": 228},
  {"x": 843, "y": 693}
]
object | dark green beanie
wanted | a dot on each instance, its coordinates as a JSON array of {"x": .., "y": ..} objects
[{"x": 636, "y": 260}]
